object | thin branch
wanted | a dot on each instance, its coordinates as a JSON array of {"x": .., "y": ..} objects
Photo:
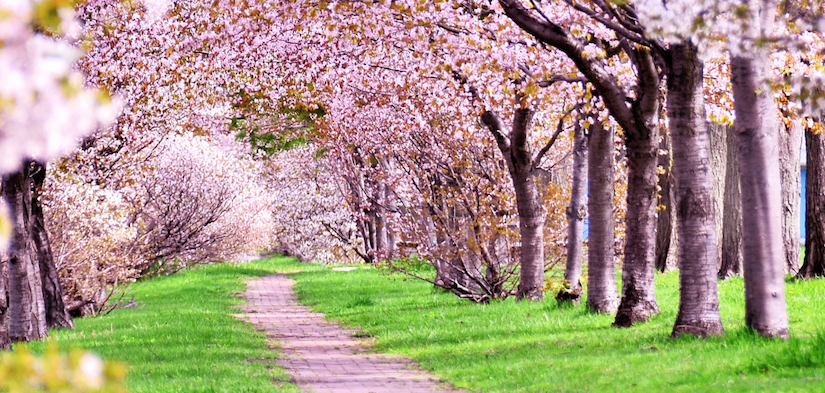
[
  {"x": 551, "y": 142},
  {"x": 619, "y": 29},
  {"x": 629, "y": 13},
  {"x": 536, "y": 7}
]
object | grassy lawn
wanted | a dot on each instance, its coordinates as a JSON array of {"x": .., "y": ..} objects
[
  {"x": 182, "y": 337},
  {"x": 541, "y": 347}
]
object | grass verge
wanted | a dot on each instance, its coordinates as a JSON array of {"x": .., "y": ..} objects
[
  {"x": 513, "y": 346},
  {"x": 182, "y": 337}
]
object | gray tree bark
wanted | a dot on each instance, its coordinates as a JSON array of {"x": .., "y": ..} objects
[
  {"x": 27, "y": 313},
  {"x": 698, "y": 297},
  {"x": 5, "y": 340},
  {"x": 530, "y": 209},
  {"x": 789, "y": 150},
  {"x": 666, "y": 237},
  {"x": 57, "y": 315},
  {"x": 576, "y": 213},
  {"x": 732, "y": 221},
  {"x": 638, "y": 302},
  {"x": 381, "y": 232},
  {"x": 814, "y": 264},
  {"x": 718, "y": 159},
  {"x": 602, "y": 295},
  {"x": 757, "y": 128}
]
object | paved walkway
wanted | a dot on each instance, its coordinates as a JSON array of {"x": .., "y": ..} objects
[{"x": 322, "y": 357}]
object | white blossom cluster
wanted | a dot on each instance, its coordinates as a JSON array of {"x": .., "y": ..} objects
[
  {"x": 44, "y": 105},
  {"x": 311, "y": 217}
]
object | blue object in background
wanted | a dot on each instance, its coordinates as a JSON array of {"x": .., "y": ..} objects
[{"x": 802, "y": 234}]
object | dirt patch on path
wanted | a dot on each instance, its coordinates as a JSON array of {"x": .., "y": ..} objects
[{"x": 322, "y": 357}]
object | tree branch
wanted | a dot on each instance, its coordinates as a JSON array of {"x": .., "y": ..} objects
[
  {"x": 556, "y": 36},
  {"x": 552, "y": 141},
  {"x": 496, "y": 127},
  {"x": 617, "y": 28}
]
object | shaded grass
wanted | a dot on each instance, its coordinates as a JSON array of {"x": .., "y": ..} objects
[
  {"x": 513, "y": 346},
  {"x": 182, "y": 336}
]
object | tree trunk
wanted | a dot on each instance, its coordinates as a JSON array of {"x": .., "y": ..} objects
[
  {"x": 5, "y": 340},
  {"x": 381, "y": 238},
  {"x": 27, "y": 314},
  {"x": 57, "y": 315},
  {"x": 602, "y": 296},
  {"x": 757, "y": 129},
  {"x": 576, "y": 213},
  {"x": 638, "y": 293},
  {"x": 515, "y": 148},
  {"x": 814, "y": 265},
  {"x": 790, "y": 139},
  {"x": 732, "y": 220},
  {"x": 698, "y": 297},
  {"x": 666, "y": 236},
  {"x": 718, "y": 160},
  {"x": 530, "y": 209}
]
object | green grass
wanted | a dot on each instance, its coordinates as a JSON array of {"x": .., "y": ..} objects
[
  {"x": 513, "y": 346},
  {"x": 182, "y": 337}
]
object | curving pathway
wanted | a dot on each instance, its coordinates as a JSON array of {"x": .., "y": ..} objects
[{"x": 322, "y": 357}]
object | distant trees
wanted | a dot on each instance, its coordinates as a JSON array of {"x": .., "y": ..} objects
[
  {"x": 311, "y": 219},
  {"x": 201, "y": 202},
  {"x": 192, "y": 200}
]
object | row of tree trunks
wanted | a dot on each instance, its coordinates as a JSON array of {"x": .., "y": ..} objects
[
  {"x": 34, "y": 295},
  {"x": 640, "y": 122},
  {"x": 728, "y": 206},
  {"x": 757, "y": 142}
]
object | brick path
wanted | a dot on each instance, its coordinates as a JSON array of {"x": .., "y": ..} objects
[{"x": 320, "y": 355}]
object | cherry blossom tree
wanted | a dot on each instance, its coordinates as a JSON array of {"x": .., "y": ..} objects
[
  {"x": 446, "y": 65},
  {"x": 43, "y": 94},
  {"x": 639, "y": 121}
]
